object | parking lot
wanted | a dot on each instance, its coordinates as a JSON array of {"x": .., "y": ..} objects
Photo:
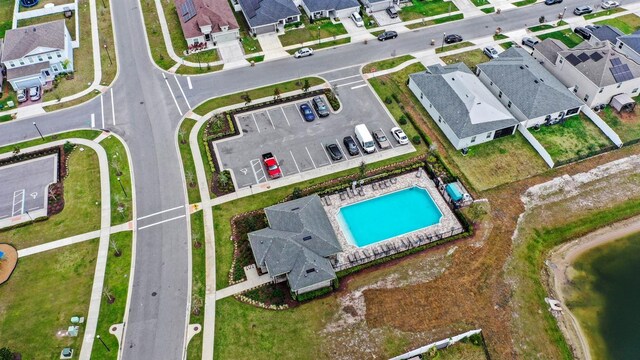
[
  {"x": 24, "y": 186},
  {"x": 300, "y": 146}
]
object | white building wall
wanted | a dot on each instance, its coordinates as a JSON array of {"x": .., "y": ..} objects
[
  {"x": 317, "y": 286},
  {"x": 345, "y": 13},
  {"x": 628, "y": 51},
  {"x": 379, "y": 6}
]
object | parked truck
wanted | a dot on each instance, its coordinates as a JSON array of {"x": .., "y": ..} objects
[
  {"x": 271, "y": 163},
  {"x": 364, "y": 138}
]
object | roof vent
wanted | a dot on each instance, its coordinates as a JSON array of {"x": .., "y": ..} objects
[
  {"x": 521, "y": 67},
  {"x": 295, "y": 208},
  {"x": 541, "y": 80},
  {"x": 306, "y": 238},
  {"x": 535, "y": 81}
]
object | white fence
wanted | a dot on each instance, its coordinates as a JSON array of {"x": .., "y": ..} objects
[
  {"x": 603, "y": 126},
  {"x": 536, "y": 145},
  {"x": 45, "y": 11},
  {"x": 438, "y": 345}
]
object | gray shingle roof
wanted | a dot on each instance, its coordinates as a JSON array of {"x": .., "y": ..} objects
[
  {"x": 266, "y": 12},
  {"x": 21, "y": 41},
  {"x": 464, "y": 103},
  {"x": 600, "y": 72},
  {"x": 299, "y": 238},
  {"x": 608, "y": 33},
  {"x": 632, "y": 41},
  {"x": 320, "y": 5},
  {"x": 529, "y": 86},
  {"x": 22, "y": 71},
  {"x": 550, "y": 48}
]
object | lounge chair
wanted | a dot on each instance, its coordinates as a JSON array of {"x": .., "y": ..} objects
[
  {"x": 422, "y": 238},
  {"x": 342, "y": 196},
  {"x": 394, "y": 180},
  {"x": 328, "y": 200},
  {"x": 361, "y": 191},
  {"x": 386, "y": 183},
  {"x": 374, "y": 186}
]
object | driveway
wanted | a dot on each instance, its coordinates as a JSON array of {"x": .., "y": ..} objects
[
  {"x": 357, "y": 33},
  {"x": 231, "y": 54},
  {"x": 271, "y": 46}
]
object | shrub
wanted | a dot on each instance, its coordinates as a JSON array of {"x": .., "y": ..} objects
[
  {"x": 312, "y": 294},
  {"x": 68, "y": 147},
  {"x": 416, "y": 139},
  {"x": 388, "y": 100},
  {"x": 403, "y": 120}
]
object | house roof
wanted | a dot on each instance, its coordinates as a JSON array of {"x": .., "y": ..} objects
[
  {"x": 607, "y": 32},
  {"x": 216, "y": 13},
  {"x": 632, "y": 41},
  {"x": 529, "y": 86},
  {"x": 549, "y": 48},
  {"x": 266, "y": 12},
  {"x": 21, "y": 41},
  {"x": 320, "y": 5},
  {"x": 297, "y": 242},
  {"x": 22, "y": 71},
  {"x": 465, "y": 104},
  {"x": 603, "y": 65}
]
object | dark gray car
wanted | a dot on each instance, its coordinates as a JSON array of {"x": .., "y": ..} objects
[
  {"x": 334, "y": 152},
  {"x": 320, "y": 106},
  {"x": 351, "y": 146}
]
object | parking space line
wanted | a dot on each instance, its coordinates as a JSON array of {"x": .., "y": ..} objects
[
  {"x": 340, "y": 147},
  {"x": 254, "y": 120},
  {"x": 350, "y": 83},
  {"x": 255, "y": 173},
  {"x": 313, "y": 162},
  {"x": 285, "y": 116},
  {"x": 271, "y": 121},
  {"x": 325, "y": 153},
  {"x": 294, "y": 160},
  {"x": 20, "y": 195},
  {"x": 385, "y": 135}
]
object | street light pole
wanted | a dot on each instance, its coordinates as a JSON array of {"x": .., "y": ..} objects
[
  {"x": 318, "y": 35},
  {"x": 102, "y": 341},
  {"x": 34, "y": 124},
  {"x": 108, "y": 55},
  {"x": 563, "y": 11},
  {"x": 30, "y": 218},
  {"x": 122, "y": 187},
  {"x": 444, "y": 35}
]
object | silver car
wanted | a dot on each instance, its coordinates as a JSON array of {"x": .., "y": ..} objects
[
  {"x": 491, "y": 52},
  {"x": 34, "y": 93},
  {"x": 381, "y": 139},
  {"x": 22, "y": 95}
]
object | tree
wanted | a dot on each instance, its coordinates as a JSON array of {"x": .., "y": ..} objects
[
  {"x": 362, "y": 169},
  {"x": 16, "y": 150},
  {"x": 297, "y": 193},
  {"x": 52, "y": 193},
  {"x": 108, "y": 294},
  {"x": 115, "y": 164},
  {"x": 223, "y": 179},
  {"x": 116, "y": 249},
  {"x": 246, "y": 98},
  {"x": 6, "y": 354},
  {"x": 306, "y": 85},
  {"x": 276, "y": 93},
  {"x": 181, "y": 134},
  {"x": 190, "y": 178},
  {"x": 67, "y": 147},
  {"x": 196, "y": 305}
]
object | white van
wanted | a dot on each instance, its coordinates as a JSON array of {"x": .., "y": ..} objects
[
  {"x": 364, "y": 138},
  {"x": 357, "y": 19}
]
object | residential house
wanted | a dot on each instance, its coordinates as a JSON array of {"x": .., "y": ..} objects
[
  {"x": 595, "y": 73},
  {"x": 265, "y": 16},
  {"x": 605, "y": 33},
  {"x": 378, "y": 5},
  {"x": 298, "y": 246},
  {"x": 34, "y": 55},
  {"x": 318, "y": 9},
  {"x": 207, "y": 22},
  {"x": 531, "y": 93},
  {"x": 464, "y": 109},
  {"x": 630, "y": 45}
]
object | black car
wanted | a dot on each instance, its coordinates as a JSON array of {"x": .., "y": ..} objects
[
  {"x": 551, "y": 2},
  {"x": 387, "y": 35},
  {"x": 334, "y": 152},
  {"x": 583, "y": 32},
  {"x": 452, "y": 38},
  {"x": 320, "y": 106},
  {"x": 392, "y": 12},
  {"x": 351, "y": 146}
]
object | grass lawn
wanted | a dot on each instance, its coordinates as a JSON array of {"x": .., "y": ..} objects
[
  {"x": 602, "y": 13},
  {"x": 437, "y": 21},
  {"x": 386, "y": 64},
  {"x": 310, "y": 32},
  {"x": 198, "y": 282},
  {"x": 480, "y": 2},
  {"x": 459, "y": 351},
  {"x": 81, "y": 211},
  {"x": 523, "y": 3},
  {"x": 421, "y": 9},
  {"x": 118, "y": 168},
  {"x": 508, "y": 44},
  {"x": 256, "y": 59},
  {"x": 455, "y": 46},
  {"x": 541, "y": 27},
  {"x": 6, "y": 15},
  {"x": 325, "y": 44},
  {"x": 249, "y": 43},
  {"x": 626, "y": 125},
  {"x": 154, "y": 35},
  {"x": 117, "y": 281},
  {"x": 369, "y": 21},
  {"x": 82, "y": 59},
  {"x": 105, "y": 29},
  {"x": 470, "y": 58},
  {"x": 567, "y": 36},
  {"x": 266, "y": 91},
  {"x": 44, "y": 292},
  {"x": 191, "y": 70},
  {"x": 193, "y": 192},
  {"x": 73, "y": 102},
  {"x": 70, "y": 22},
  {"x": 488, "y": 10},
  {"x": 626, "y": 23},
  {"x": 576, "y": 137},
  {"x": 500, "y": 37},
  {"x": 82, "y": 134}
]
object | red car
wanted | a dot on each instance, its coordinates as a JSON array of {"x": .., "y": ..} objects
[{"x": 270, "y": 162}]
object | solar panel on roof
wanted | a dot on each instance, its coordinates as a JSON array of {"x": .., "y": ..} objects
[
  {"x": 621, "y": 72},
  {"x": 583, "y": 57},
  {"x": 188, "y": 10},
  {"x": 596, "y": 56},
  {"x": 573, "y": 59},
  {"x": 615, "y": 62}
]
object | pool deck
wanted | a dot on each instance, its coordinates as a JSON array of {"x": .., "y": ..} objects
[{"x": 353, "y": 255}]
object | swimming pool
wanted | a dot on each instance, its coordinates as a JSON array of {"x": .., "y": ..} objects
[{"x": 385, "y": 217}]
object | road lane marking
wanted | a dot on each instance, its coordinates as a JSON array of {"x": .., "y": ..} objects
[
  {"x": 93, "y": 120},
  {"x": 285, "y": 116},
  {"x": 358, "y": 86},
  {"x": 183, "y": 95},
  {"x": 350, "y": 83},
  {"x": 346, "y": 77},
  {"x": 189, "y": 82},
  {"x": 294, "y": 160},
  {"x": 162, "y": 222},
  {"x": 254, "y": 120},
  {"x": 313, "y": 162},
  {"x": 102, "y": 109},
  {"x": 166, "y": 81},
  {"x": 160, "y": 212},
  {"x": 271, "y": 121},
  {"x": 113, "y": 108},
  {"x": 324, "y": 148}
]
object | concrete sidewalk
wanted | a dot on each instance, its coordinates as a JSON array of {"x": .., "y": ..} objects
[
  {"x": 253, "y": 281},
  {"x": 58, "y": 243}
]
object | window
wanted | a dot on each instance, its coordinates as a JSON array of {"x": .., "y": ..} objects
[
  {"x": 58, "y": 54},
  {"x": 12, "y": 64},
  {"x": 49, "y": 56},
  {"x": 21, "y": 62},
  {"x": 31, "y": 60},
  {"x": 500, "y": 94},
  {"x": 439, "y": 119},
  {"x": 620, "y": 45},
  {"x": 473, "y": 139},
  {"x": 575, "y": 88},
  {"x": 491, "y": 83},
  {"x": 489, "y": 135},
  {"x": 47, "y": 73},
  {"x": 635, "y": 90},
  {"x": 54, "y": 67},
  {"x": 619, "y": 84},
  {"x": 560, "y": 60},
  {"x": 430, "y": 106},
  {"x": 40, "y": 58},
  {"x": 421, "y": 96},
  {"x": 572, "y": 111},
  {"x": 601, "y": 90},
  {"x": 509, "y": 104},
  {"x": 586, "y": 97}
]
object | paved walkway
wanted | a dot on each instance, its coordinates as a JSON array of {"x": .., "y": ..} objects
[
  {"x": 232, "y": 54},
  {"x": 253, "y": 280},
  {"x": 271, "y": 46}
]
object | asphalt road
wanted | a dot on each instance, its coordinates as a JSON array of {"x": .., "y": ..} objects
[{"x": 146, "y": 115}]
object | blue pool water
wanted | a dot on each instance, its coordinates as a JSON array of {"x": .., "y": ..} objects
[{"x": 388, "y": 216}]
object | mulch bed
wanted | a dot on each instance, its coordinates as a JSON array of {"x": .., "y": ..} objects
[{"x": 8, "y": 263}]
